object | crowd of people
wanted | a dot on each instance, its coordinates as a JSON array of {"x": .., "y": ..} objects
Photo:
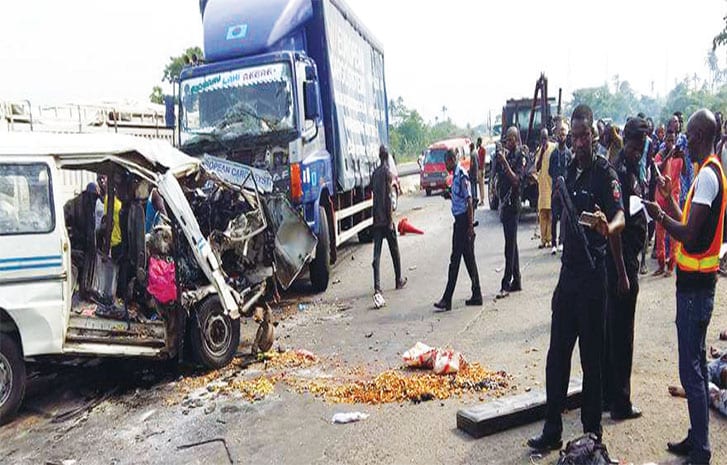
[{"x": 605, "y": 195}]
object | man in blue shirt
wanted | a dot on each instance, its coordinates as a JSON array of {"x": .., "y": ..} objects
[{"x": 463, "y": 236}]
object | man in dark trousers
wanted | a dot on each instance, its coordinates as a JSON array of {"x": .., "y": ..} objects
[
  {"x": 559, "y": 161},
  {"x": 474, "y": 168},
  {"x": 699, "y": 229},
  {"x": 579, "y": 299},
  {"x": 510, "y": 167},
  {"x": 622, "y": 265},
  {"x": 383, "y": 227},
  {"x": 463, "y": 236}
]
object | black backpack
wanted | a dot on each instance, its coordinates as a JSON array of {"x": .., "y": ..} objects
[{"x": 585, "y": 450}]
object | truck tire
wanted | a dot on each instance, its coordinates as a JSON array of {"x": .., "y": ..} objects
[
  {"x": 215, "y": 336},
  {"x": 320, "y": 267},
  {"x": 394, "y": 198},
  {"x": 12, "y": 377},
  {"x": 428, "y": 191},
  {"x": 366, "y": 236}
]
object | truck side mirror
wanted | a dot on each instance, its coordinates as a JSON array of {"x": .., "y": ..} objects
[{"x": 310, "y": 94}]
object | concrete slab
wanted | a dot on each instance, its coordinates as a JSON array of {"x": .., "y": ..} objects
[{"x": 508, "y": 412}]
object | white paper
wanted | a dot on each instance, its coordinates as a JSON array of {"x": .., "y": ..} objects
[{"x": 636, "y": 204}]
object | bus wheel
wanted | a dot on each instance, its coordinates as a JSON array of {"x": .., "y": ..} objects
[
  {"x": 12, "y": 377},
  {"x": 215, "y": 336}
]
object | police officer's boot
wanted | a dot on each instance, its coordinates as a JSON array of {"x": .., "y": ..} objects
[{"x": 545, "y": 442}]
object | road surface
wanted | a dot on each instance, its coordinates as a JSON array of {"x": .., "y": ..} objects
[{"x": 141, "y": 423}]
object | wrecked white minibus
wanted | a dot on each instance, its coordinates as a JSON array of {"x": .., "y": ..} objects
[{"x": 83, "y": 273}]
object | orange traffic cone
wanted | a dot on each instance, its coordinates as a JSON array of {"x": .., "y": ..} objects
[{"x": 406, "y": 227}]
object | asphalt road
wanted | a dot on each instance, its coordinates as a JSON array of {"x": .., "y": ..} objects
[{"x": 137, "y": 425}]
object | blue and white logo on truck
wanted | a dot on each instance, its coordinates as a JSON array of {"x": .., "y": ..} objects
[{"x": 238, "y": 31}]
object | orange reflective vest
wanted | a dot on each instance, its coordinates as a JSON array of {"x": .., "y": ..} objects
[{"x": 706, "y": 261}]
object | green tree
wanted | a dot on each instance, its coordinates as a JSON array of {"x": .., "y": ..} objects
[
  {"x": 721, "y": 38},
  {"x": 688, "y": 98},
  {"x": 175, "y": 65},
  {"x": 617, "y": 105},
  {"x": 157, "y": 95},
  {"x": 409, "y": 134}
]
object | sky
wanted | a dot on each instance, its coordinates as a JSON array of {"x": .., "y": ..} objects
[{"x": 466, "y": 55}]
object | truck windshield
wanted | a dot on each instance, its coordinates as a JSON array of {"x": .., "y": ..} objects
[{"x": 243, "y": 102}]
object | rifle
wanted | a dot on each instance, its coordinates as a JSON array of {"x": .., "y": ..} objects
[{"x": 571, "y": 218}]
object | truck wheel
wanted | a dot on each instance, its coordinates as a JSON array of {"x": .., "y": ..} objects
[
  {"x": 215, "y": 336},
  {"x": 365, "y": 236},
  {"x": 394, "y": 198},
  {"x": 428, "y": 191},
  {"x": 320, "y": 267},
  {"x": 12, "y": 377}
]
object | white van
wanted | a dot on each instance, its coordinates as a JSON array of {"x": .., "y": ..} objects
[{"x": 64, "y": 292}]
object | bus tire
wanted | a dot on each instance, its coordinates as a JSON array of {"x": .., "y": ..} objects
[
  {"x": 215, "y": 336},
  {"x": 12, "y": 377},
  {"x": 320, "y": 267}
]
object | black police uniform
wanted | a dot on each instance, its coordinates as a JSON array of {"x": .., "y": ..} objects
[
  {"x": 621, "y": 309},
  {"x": 510, "y": 205},
  {"x": 579, "y": 300}
]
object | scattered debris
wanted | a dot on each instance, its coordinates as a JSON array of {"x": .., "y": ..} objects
[
  {"x": 350, "y": 385},
  {"x": 349, "y": 417},
  {"x": 344, "y": 307},
  {"x": 302, "y": 307},
  {"x": 230, "y": 409},
  {"x": 412, "y": 268},
  {"x": 209, "y": 441},
  {"x": 336, "y": 281},
  {"x": 210, "y": 408},
  {"x": 399, "y": 385},
  {"x": 146, "y": 416},
  {"x": 367, "y": 335}
]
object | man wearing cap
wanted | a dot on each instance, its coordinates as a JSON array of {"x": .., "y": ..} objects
[
  {"x": 698, "y": 228},
  {"x": 463, "y": 236},
  {"x": 622, "y": 267}
]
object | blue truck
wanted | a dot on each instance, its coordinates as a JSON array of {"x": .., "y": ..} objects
[{"x": 296, "y": 88}]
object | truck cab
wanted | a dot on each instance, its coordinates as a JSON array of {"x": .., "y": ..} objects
[{"x": 295, "y": 88}]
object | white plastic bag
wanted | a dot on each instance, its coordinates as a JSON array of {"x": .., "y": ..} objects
[
  {"x": 447, "y": 361},
  {"x": 349, "y": 417},
  {"x": 421, "y": 355}
]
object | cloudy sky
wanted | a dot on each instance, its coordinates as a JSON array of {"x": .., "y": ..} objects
[{"x": 467, "y": 55}]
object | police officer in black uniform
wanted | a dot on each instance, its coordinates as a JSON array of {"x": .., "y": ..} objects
[
  {"x": 579, "y": 299},
  {"x": 622, "y": 265},
  {"x": 510, "y": 168}
]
